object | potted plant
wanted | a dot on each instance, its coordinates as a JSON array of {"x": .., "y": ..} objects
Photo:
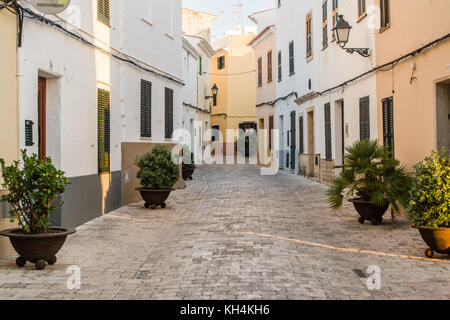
[
  {"x": 32, "y": 194},
  {"x": 188, "y": 165},
  {"x": 372, "y": 180},
  {"x": 429, "y": 207},
  {"x": 157, "y": 173}
]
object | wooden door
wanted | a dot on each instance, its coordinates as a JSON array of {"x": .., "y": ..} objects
[{"x": 42, "y": 118}]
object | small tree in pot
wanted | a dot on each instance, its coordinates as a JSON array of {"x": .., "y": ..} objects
[
  {"x": 32, "y": 194},
  {"x": 429, "y": 207},
  {"x": 374, "y": 177},
  {"x": 188, "y": 165},
  {"x": 158, "y": 174}
]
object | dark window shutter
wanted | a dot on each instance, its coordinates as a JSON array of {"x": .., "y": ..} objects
[
  {"x": 291, "y": 58},
  {"x": 280, "y": 75},
  {"x": 103, "y": 11},
  {"x": 301, "y": 129},
  {"x": 388, "y": 123},
  {"x": 259, "y": 72},
  {"x": 328, "y": 153},
  {"x": 146, "y": 109},
  {"x": 364, "y": 118},
  {"x": 104, "y": 131},
  {"x": 168, "y": 113}
]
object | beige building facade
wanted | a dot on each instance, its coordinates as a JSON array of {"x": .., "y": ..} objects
[
  {"x": 414, "y": 93},
  {"x": 233, "y": 71},
  {"x": 8, "y": 108}
]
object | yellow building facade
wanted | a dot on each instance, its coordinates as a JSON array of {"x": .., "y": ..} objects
[
  {"x": 233, "y": 71},
  {"x": 414, "y": 93},
  {"x": 9, "y": 149}
]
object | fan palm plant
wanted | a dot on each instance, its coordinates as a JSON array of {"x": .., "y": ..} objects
[{"x": 371, "y": 174}]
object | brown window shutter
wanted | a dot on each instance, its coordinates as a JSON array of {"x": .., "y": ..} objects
[
  {"x": 104, "y": 131},
  {"x": 168, "y": 113},
  {"x": 364, "y": 118}
]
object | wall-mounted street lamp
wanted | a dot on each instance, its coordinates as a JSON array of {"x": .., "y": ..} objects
[
  {"x": 215, "y": 91},
  {"x": 342, "y": 33}
]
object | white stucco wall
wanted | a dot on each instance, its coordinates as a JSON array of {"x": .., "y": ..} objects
[{"x": 75, "y": 71}]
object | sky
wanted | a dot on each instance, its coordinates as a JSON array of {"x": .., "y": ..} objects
[{"x": 228, "y": 13}]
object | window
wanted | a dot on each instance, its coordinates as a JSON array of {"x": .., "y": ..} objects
[
  {"x": 388, "y": 123},
  {"x": 364, "y": 118},
  {"x": 280, "y": 67},
  {"x": 309, "y": 50},
  {"x": 259, "y": 72},
  {"x": 328, "y": 154},
  {"x": 325, "y": 24},
  {"x": 215, "y": 133},
  {"x": 269, "y": 67},
  {"x": 104, "y": 127},
  {"x": 361, "y": 8},
  {"x": 335, "y": 13},
  {"x": 146, "y": 109},
  {"x": 301, "y": 129},
  {"x": 291, "y": 59},
  {"x": 103, "y": 14},
  {"x": 385, "y": 14},
  {"x": 221, "y": 63},
  {"x": 168, "y": 113}
]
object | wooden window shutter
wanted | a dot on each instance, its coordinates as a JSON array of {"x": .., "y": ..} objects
[
  {"x": 388, "y": 123},
  {"x": 385, "y": 13},
  {"x": 328, "y": 153},
  {"x": 280, "y": 68},
  {"x": 200, "y": 66},
  {"x": 168, "y": 113},
  {"x": 270, "y": 132},
  {"x": 364, "y": 118},
  {"x": 146, "y": 109},
  {"x": 361, "y": 7},
  {"x": 104, "y": 131},
  {"x": 291, "y": 58},
  {"x": 103, "y": 11},
  {"x": 301, "y": 129},
  {"x": 259, "y": 72},
  {"x": 269, "y": 66}
]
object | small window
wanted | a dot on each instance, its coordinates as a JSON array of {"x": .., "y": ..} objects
[
  {"x": 269, "y": 67},
  {"x": 103, "y": 11},
  {"x": 385, "y": 14},
  {"x": 280, "y": 67},
  {"x": 291, "y": 58},
  {"x": 309, "y": 50},
  {"x": 325, "y": 24},
  {"x": 334, "y": 14},
  {"x": 221, "y": 63},
  {"x": 259, "y": 72},
  {"x": 361, "y": 8}
]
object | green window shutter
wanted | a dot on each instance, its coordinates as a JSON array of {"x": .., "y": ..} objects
[
  {"x": 200, "y": 66},
  {"x": 388, "y": 123},
  {"x": 291, "y": 58},
  {"x": 301, "y": 129},
  {"x": 328, "y": 152},
  {"x": 364, "y": 118},
  {"x": 103, "y": 12},
  {"x": 280, "y": 74},
  {"x": 168, "y": 113},
  {"x": 146, "y": 109},
  {"x": 104, "y": 131}
]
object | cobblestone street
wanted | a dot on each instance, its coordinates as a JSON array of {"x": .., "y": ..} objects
[{"x": 234, "y": 234}]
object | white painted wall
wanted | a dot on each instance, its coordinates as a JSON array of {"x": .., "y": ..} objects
[{"x": 76, "y": 70}]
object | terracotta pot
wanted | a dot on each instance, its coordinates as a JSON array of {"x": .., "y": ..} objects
[
  {"x": 154, "y": 198},
  {"x": 40, "y": 248},
  {"x": 438, "y": 240},
  {"x": 187, "y": 173},
  {"x": 368, "y": 211}
]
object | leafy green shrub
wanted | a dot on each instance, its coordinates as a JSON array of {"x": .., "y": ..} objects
[
  {"x": 430, "y": 196},
  {"x": 372, "y": 175},
  {"x": 32, "y": 191},
  {"x": 157, "y": 171},
  {"x": 188, "y": 163}
]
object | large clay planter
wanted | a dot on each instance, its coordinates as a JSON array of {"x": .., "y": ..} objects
[
  {"x": 369, "y": 211},
  {"x": 154, "y": 198},
  {"x": 187, "y": 173},
  {"x": 40, "y": 248},
  {"x": 438, "y": 240}
]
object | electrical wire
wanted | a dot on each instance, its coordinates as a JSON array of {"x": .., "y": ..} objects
[
  {"x": 272, "y": 103},
  {"x": 22, "y": 12}
]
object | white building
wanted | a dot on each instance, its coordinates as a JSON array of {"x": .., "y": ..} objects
[
  {"x": 121, "y": 82},
  {"x": 316, "y": 121}
]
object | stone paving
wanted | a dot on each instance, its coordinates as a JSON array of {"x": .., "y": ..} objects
[{"x": 234, "y": 234}]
